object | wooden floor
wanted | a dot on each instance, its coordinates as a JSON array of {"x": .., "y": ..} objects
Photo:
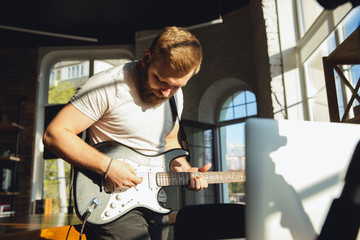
[
  {"x": 45, "y": 226},
  {"x": 40, "y": 226}
]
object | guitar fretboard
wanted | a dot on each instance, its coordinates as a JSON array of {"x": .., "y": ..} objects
[{"x": 164, "y": 179}]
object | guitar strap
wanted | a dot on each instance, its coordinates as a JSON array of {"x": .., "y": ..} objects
[{"x": 182, "y": 136}]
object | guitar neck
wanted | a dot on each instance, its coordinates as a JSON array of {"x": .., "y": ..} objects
[{"x": 164, "y": 179}]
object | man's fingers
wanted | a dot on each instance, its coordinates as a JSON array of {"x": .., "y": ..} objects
[
  {"x": 137, "y": 180},
  {"x": 205, "y": 168},
  {"x": 197, "y": 183}
]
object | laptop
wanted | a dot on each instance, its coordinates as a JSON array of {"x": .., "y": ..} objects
[{"x": 294, "y": 170}]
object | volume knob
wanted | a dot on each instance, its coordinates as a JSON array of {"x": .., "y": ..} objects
[{"x": 108, "y": 213}]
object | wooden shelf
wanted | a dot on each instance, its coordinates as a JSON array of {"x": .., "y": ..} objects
[
  {"x": 10, "y": 158},
  {"x": 5, "y": 125},
  {"x": 7, "y": 214},
  {"x": 9, "y": 193},
  {"x": 10, "y": 126},
  {"x": 354, "y": 120}
]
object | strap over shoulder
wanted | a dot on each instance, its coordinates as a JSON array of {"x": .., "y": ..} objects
[{"x": 182, "y": 136}]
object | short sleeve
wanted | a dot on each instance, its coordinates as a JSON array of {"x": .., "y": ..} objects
[{"x": 95, "y": 95}]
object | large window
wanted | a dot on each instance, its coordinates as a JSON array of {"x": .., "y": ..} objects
[
  {"x": 314, "y": 71},
  {"x": 232, "y": 116},
  {"x": 65, "y": 77}
]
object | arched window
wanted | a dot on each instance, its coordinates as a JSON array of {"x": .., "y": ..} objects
[
  {"x": 231, "y": 117},
  {"x": 239, "y": 105}
]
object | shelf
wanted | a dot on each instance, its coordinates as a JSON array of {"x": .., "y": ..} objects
[
  {"x": 8, "y": 163},
  {"x": 10, "y": 126},
  {"x": 353, "y": 120},
  {"x": 10, "y": 158},
  {"x": 9, "y": 193},
  {"x": 7, "y": 214},
  {"x": 5, "y": 125}
]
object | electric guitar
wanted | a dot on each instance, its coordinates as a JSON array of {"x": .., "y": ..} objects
[{"x": 97, "y": 205}]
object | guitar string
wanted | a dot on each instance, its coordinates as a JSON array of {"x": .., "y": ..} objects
[
  {"x": 178, "y": 178},
  {"x": 174, "y": 178},
  {"x": 183, "y": 177},
  {"x": 190, "y": 174}
]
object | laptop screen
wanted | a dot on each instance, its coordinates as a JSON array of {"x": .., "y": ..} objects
[{"x": 294, "y": 170}]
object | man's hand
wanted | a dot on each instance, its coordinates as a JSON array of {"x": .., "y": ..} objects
[
  {"x": 198, "y": 183},
  {"x": 122, "y": 175},
  {"x": 182, "y": 165}
]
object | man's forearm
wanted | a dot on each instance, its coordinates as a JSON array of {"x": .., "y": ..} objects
[{"x": 74, "y": 150}]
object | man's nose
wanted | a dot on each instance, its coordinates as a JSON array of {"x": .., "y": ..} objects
[{"x": 166, "y": 92}]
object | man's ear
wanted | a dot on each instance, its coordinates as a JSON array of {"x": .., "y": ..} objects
[{"x": 146, "y": 57}]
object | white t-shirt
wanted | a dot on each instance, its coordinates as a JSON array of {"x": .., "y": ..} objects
[{"x": 112, "y": 100}]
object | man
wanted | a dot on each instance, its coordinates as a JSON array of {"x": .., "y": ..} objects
[{"x": 128, "y": 104}]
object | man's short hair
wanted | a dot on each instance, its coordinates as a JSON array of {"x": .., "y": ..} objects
[{"x": 182, "y": 47}]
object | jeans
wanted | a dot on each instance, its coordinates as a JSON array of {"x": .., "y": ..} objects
[{"x": 138, "y": 224}]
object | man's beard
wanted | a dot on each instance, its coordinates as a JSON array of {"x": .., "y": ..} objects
[{"x": 147, "y": 94}]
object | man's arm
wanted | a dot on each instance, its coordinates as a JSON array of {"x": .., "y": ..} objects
[
  {"x": 61, "y": 138},
  {"x": 182, "y": 165}
]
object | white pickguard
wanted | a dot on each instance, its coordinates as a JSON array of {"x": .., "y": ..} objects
[{"x": 143, "y": 195}]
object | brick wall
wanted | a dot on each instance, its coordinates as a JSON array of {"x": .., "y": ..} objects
[
  {"x": 18, "y": 74},
  {"x": 227, "y": 51},
  {"x": 262, "y": 63}
]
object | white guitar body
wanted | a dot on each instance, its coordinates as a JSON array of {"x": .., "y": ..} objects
[
  {"x": 88, "y": 186},
  {"x": 143, "y": 195}
]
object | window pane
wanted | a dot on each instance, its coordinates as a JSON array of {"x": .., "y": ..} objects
[
  {"x": 240, "y": 111},
  {"x": 65, "y": 78},
  {"x": 201, "y": 147},
  {"x": 339, "y": 94},
  {"x": 208, "y": 139},
  {"x": 352, "y": 21},
  {"x": 316, "y": 81},
  {"x": 250, "y": 97},
  {"x": 234, "y": 154},
  {"x": 251, "y": 109},
  {"x": 236, "y": 106},
  {"x": 226, "y": 114},
  {"x": 310, "y": 11},
  {"x": 56, "y": 184},
  {"x": 355, "y": 76},
  {"x": 239, "y": 98}
]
